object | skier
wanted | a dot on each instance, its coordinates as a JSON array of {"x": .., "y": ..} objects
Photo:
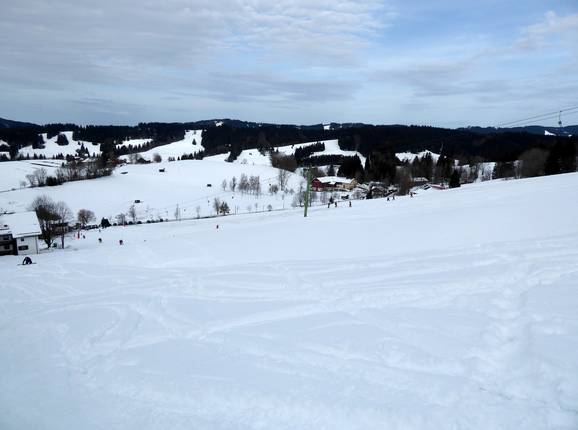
[
  {"x": 100, "y": 240},
  {"x": 350, "y": 203},
  {"x": 26, "y": 261},
  {"x": 120, "y": 242}
]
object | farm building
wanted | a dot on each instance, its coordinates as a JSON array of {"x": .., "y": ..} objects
[
  {"x": 19, "y": 233},
  {"x": 332, "y": 183}
]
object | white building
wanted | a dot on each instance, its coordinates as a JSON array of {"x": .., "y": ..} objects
[{"x": 19, "y": 233}]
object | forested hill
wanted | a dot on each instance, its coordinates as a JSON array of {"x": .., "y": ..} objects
[
  {"x": 225, "y": 135},
  {"x": 7, "y": 123}
]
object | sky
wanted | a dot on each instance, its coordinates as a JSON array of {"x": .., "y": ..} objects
[{"x": 448, "y": 63}]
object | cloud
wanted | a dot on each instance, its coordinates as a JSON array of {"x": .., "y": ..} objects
[
  {"x": 538, "y": 35},
  {"x": 231, "y": 50}
]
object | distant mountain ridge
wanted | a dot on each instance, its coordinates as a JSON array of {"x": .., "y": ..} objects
[
  {"x": 532, "y": 129},
  {"x": 8, "y": 123},
  {"x": 236, "y": 123},
  {"x": 232, "y": 136}
]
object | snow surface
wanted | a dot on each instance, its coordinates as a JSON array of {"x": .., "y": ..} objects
[
  {"x": 21, "y": 224},
  {"x": 183, "y": 183},
  {"x": 410, "y": 156},
  {"x": 133, "y": 142},
  {"x": 51, "y": 148},
  {"x": 14, "y": 172},
  {"x": 247, "y": 156},
  {"x": 190, "y": 144},
  {"x": 450, "y": 310},
  {"x": 331, "y": 148}
]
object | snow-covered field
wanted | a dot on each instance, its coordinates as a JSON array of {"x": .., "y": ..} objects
[
  {"x": 411, "y": 156},
  {"x": 190, "y": 144},
  {"x": 450, "y": 310},
  {"x": 331, "y": 148},
  {"x": 51, "y": 148},
  {"x": 12, "y": 173},
  {"x": 183, "y": 183}
]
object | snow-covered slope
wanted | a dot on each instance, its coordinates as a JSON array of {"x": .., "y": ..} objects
[
  {"x": 183, "y": 183},
  {"x": 190, "y": 144},
  {"x": 133, "y": 142},
  {"x": 410, "y": 156},
  {"x": 331, "y": 148},
  {"x": 12, "y": 173},
  {"x": 450, "y": 310},
  {"x": 51, "y": 148},
  {"x": 247, "y": 156}
]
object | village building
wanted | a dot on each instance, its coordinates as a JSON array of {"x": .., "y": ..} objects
[
  {"x": 19, "y": 233},
  {"x": 419, "y": 180},
  {"x": 333, "y": 183}
]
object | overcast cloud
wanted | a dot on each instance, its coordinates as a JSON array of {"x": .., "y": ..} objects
[{"x": 299, "y": 61}]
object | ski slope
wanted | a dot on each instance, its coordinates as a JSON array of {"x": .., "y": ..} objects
[{"x": 451, "y": 310}]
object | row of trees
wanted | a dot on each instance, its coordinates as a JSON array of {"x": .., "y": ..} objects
[
  {"x": 72, "y": 171},
  {"x": 246, "y": 184}
]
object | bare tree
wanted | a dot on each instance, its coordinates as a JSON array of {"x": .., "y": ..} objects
[
  {"x": 40, "y": 175},
  {"x": 224, "y": 185},
  {"x": 157, "y": 157},
  {"x": 31, "y": 178},
  {"x": 134, "y": 157},
  {"x": 132, "y": 213},
  {"x": 85, "y": 216},
  {"x": 243, "y": 183},
  {"x": 217, "y": 205},
  {"x": 282, "y": 179},
  {"x": 64, "y": 216},
  {"x": 121, "y": 219},
  {"x": 178, "y": 213},
  {"x": 45, "y": 210},
  {"x": 273, "y": 189},
  {"x": 233, "y": 184},
  {"x": 198, "y": 209}
]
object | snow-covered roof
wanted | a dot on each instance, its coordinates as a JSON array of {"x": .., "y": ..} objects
[
  {"x": 21, "y": 224},
  {"x": 333, "y": 180}
]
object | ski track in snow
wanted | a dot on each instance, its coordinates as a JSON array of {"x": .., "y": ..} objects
[
  {"x": 340, "y": 347},
  {"x": 456, "y": 315}
]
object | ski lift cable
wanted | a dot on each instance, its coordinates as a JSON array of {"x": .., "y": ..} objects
[
  {"x": 555, "y": 117},
  {"x": 543, "y": 116}
]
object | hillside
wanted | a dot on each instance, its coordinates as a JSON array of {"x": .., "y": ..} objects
[
  {"x": 183, "y": 183},
  {"x": 453, "y": 309},
  {"x": 7, "y": 123},
  {"x": 221, "y": 137}
]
